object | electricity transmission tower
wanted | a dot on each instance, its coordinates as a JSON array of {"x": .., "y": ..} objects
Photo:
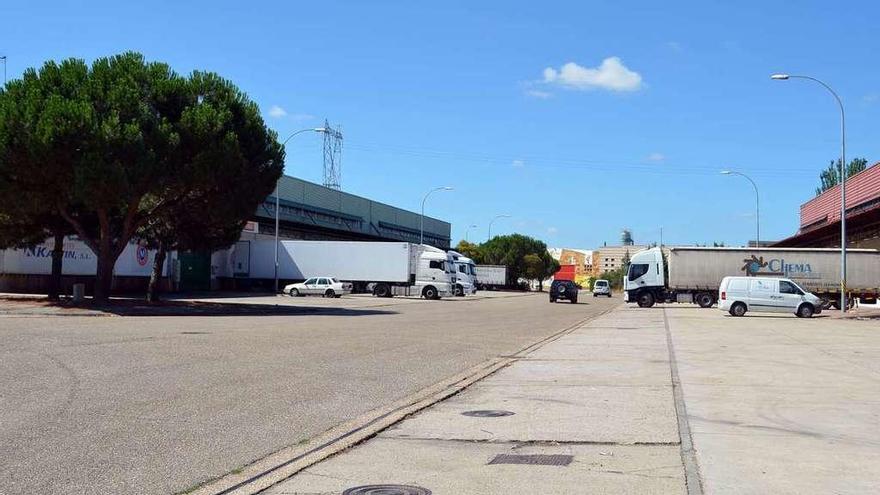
[{"x": 332, "y": 156}]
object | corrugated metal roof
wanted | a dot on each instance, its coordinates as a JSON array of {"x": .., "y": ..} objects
[
  {"x": 860, "y": 189},
  {"x": 313, "y": 204}
]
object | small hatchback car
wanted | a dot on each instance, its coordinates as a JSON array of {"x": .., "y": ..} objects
[
  {"x": 563, "y": 289},
  {"x": 601, "y": 288}
]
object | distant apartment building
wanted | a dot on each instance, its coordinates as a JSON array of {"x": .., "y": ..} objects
[
  {"x": 610, "y": 258},
  {"x": 574, "y": 263}
]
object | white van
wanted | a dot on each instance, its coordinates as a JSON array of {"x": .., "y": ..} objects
[{"x": 763, "y": 294}]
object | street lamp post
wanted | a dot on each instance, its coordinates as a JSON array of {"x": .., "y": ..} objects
[
  {"x": 468, "y": 231},
  {"x": 757, "y": 204},
  {"x": 422, "y": 217},
  {"x": 493, "y": 221},
  {"x": 278, "y": 202},
  {"x": 785, "y": 77},
  {"x": 3, "y": 58}
]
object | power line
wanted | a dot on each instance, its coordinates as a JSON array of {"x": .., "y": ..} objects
[{"x": 662, "y": 168}]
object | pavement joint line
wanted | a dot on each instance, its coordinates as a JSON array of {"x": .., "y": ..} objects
[
  {"x": 526, "y": 443},
  {"x": 264, "y": 473},
  {"x": 693, "y": 481}
]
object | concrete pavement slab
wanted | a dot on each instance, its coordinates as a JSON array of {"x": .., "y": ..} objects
[
  {"x": 638, "y": 414},
  {"x": 779, "y": 404},
  {"x": 577, "y": 372},
  {"x": 604, "y": 352},
  {"x": 461, "y": 468}
]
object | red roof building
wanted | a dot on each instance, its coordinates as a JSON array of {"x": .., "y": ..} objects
[{"x": 820, "y": 216}]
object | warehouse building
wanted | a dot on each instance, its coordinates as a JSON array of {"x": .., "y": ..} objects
[
  {"x": 310, "y": 211},
  {"x": 820, "y": 216},
  {"x": 307, "y": 211}
]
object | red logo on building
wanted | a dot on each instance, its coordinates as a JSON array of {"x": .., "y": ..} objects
[{"x": 142, "y": 255}]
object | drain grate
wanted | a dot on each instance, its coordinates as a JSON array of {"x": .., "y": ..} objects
[
  {"x": 533, "y": 459},
  {"x": 387, "y": 490},
  {"x": 194, "y": 333},
  {"x": 488, "y": 413}
]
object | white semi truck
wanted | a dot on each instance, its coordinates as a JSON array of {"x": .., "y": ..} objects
[
  {"x": 491, "y": 276},
  {"x": 383, "y": 268},
  {"x": 465, "y": 274},
  {"x": 693, "y": 274}
]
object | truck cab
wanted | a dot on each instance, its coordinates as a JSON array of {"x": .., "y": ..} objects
[
  {"x": 465, "y": 274},
  {"x": 435, "y": 276},
  {"x": 645, "y": 282}
]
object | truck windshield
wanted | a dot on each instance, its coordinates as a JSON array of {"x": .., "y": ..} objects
[{"x": 636, "y": 270}]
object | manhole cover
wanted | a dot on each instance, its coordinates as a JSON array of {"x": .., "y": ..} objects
[
  {"x": 194, "y": 333},
  {"x": 488, "y": 413},
  {"x": 533, "y": 459},
  {"x": 387, "y": 490}
]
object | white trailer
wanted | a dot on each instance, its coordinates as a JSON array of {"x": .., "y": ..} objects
[
  {"x": 383, "y": 268},
  {"x": 693, "y": 274},
  {"x": 135, "y": 260},
  {"x": 491, "y": 276}
]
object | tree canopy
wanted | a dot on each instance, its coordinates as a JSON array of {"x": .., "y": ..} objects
[
  {"x": 125, "y": 145},
  {"x": 524, "y": 256},
  {"x": 830, "y": 177}
]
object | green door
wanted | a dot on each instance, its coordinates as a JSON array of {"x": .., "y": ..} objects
[{"x": 195, "y": 271}]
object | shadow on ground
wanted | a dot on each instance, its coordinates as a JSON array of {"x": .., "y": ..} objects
[{"x": 134, "y": 307}]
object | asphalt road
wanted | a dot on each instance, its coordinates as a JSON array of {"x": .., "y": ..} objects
[{"x": 95, "y": 405}]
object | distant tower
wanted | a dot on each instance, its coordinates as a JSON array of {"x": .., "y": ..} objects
[
  {"x": 332, "y": 157},
  {"x": 626, "y": 237}
]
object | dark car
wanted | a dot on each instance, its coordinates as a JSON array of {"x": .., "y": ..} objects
[{"x": 563, "y": 289}]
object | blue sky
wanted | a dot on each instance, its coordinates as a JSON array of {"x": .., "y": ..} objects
[{"x": 458, "y": 93}]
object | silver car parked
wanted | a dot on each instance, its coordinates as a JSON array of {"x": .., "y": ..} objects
[{"x": 319, "y": 286}]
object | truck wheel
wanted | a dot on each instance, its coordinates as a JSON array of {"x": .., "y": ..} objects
[
  {"x": 430, "y": 292},
  {"x": 645, "y": 300},
  {"x": 704, "y": 300},
  {"x": 330, "y": 293},
  {"x": 805, "y": 311},
  {"x": 574, "y": 300},
  {"x": 382, "y": 290},
  {"x": 294, "y": 293},
  {"x": 553, "y": 299},
  {"x": 738, "y": 309},
  {"x": 459, "y": 291}
]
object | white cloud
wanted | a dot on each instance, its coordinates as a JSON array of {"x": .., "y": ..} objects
[
  {"x": 552, "y": 230},
  {"x": 537, "y": 93},
  {"x": 277, "y": 112},
  {"x": 517, "y": 164},
  {"x": 611, "y": 74},
  {"x": 656, "y": 157},
  {"x": 871, "y": 98},
  {"x": 674, "y": 46}
]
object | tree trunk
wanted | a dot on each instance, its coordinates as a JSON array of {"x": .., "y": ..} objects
[
  {"x": 104, "y": 278},
  {"x": 57, "y": 264},
  {"x": 156, "y": 276}
]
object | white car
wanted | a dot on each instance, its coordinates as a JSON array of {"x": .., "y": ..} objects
[
  {"x": 764, "y": 294},
  {"x": 601, "y": 288},
  {"x": 319, "y": 286}
]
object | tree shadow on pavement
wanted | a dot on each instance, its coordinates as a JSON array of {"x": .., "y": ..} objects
[{"x": 138, "y": 307}]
